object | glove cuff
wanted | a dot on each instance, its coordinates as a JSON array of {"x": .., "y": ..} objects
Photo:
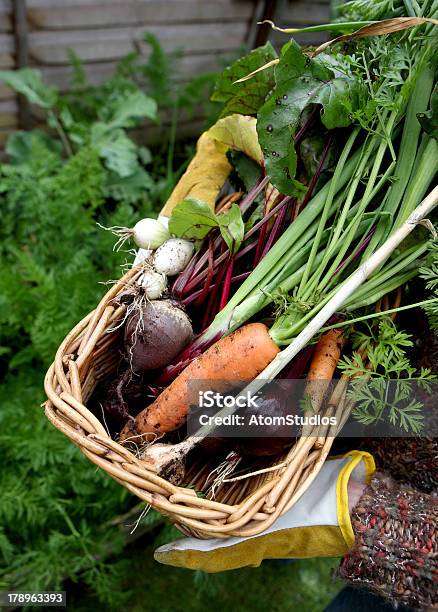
[{"x": 363, "y": 466}]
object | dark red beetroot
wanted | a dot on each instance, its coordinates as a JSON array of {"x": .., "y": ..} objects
[
  {"x": 273, "y": 434},
  {"x": 155, "y": 334}
]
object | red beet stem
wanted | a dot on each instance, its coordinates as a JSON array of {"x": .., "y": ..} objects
[
  {"x": 252, "y": 194},
  {"x": 193, "y": 277},
  {"x": 315, "y": 177},
  {"x": 210, "y": 271},
  {"x": 263, "y": 222},
  {"x": 213, "y": 299},
  {"x": 299, "y": 135},
  {"x": 195, "y": 281},
  {"x": 275, "y": 231},
  {"x": 198, "y": 346},
  {"x": 355, "y": 253},
  {"x": 193, "y": 297},
  {"x": 181, "y": 280},
  {"x": 266, "y": 218},
  {"x": 227, "y": 284}
]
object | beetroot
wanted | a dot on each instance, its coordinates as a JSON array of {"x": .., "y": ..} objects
[
  {"x": 155, "y": 333},
  {"x": 276, "y": 436}
]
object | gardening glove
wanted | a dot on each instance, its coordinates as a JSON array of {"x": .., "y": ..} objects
[{"x": 318, "y": 525}]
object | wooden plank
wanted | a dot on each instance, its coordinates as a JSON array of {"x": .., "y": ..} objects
[
  {"x": 200, "y": 39},
  {"x": 8, "y": 114},
  {"x": 5, "y": 22},
  {"x": 300, "y": 15},
  {"x": 6, "y": 43},
  {"x": 97, "y": 73},
  {"x": 109, "y": 44},
  {"x": 6, "y": 93},
  {"x": 309, "y": 39},
  {"x": 156, "y": 134},
  {"x": 21, "y": 57},
  {"x": 54, "y": 4},
  {"x": 4, "y": 135},
  {"x": 6, "y": 60},
  {"x": 6, "y": 16},
  {"x": 7, "y": 51},
  {"x": 99, "y": 14}
]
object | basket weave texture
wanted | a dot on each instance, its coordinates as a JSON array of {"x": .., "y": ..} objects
[{"x": 243, "y": 507}]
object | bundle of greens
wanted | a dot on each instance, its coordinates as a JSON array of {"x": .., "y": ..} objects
[{"x": 328, "y": 239}]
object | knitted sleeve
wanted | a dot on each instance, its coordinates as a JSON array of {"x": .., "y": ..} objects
[
  {"x": 413, "y": 461},
  {"x": 395, "y": 553}
]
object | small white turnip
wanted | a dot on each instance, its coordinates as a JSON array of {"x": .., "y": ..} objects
[
  {"x": 173, "y": 256},
  {"x": 147, "y": 234},
  {"x": 153, "y": 284}
]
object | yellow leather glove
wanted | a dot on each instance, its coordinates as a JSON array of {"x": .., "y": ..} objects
[{"x": 317, "y": 526}]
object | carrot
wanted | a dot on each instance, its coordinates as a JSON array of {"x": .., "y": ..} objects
[
  {"x": 241, "y": 356},
  {"x": 326, "y": 355},
  {"x": 323, "y": 365}
]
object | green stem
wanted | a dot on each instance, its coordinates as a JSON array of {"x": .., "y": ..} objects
[
  {"x": 328, "y": 203},
  {"x": 425, "y": 172},
  {"x": 379, "y": 292},
  {"x": 339, "y": 224},
  {"x": 61, "y": 133},
  {"x": 384, "y": 281},
  {"x": 329, "y": 277},
  {"x": 418, "y": 103},
  {"x": 386, "y": 273},
  {"x": 382, "y": 313}
]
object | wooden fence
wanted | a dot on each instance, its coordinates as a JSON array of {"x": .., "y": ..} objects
[{"x": 38, "y": 33}]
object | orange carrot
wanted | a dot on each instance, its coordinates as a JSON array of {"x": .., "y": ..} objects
[
  {"x": 241, "y": 356},
  {"x": 326, "y": 355},
  {"x": 323, "y": 365}
]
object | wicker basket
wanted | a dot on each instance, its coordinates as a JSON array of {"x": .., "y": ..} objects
[{"x": 244, "y": 507}]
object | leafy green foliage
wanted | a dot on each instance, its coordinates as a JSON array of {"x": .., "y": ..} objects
[
  {"x": 107, "y": 135},
  {"x": 306, "y": 585},
  {"x": 247, "y": 97},
  {"x": 20, "y": 146},
  {"x": 125, "y": 111},
  {"x": 429, "y": 119},
  {"x": 429, "y": 273},
  {"x": 194, "y": 219},
  {"x": 357, "y": 10},
  {"x": 29, "y": 83},
  {"x": 248, "y": 171},
  {"x": 232, "y": 227},
  {"x": 375, "y": 398},
  {"x": 300, "y": 82}
]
